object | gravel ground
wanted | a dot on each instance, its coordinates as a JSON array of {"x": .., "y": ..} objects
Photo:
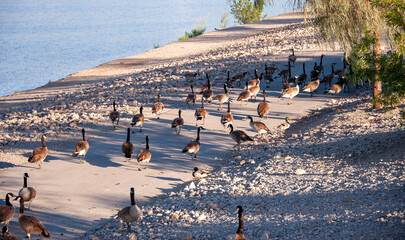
[{"x": 337, "y": 173}]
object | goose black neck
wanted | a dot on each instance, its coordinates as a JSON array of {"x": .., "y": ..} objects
[
  {"x": 333, "y": 68},
  {"x": 303, "y": 67},
  {"x": 158, "y": 97},
  {"x": 198, "y": 134},
  {"x": 192, "y": 89},
  {"x": 21, "y": 205},
  {"x": 251, "y": 119},
  {"x": 209, "y": 84},
  {"x": 83, "y": 135},
  {"x": 140, "y": 110},
  {"x": 179, "y": 113},
  {"x": 241, "y": 221},
  {"x": 228, "y": 78},
  {"x": 25, "y": 181},
  {"x": 321, "y": 59},
  {"x": 132, "y": 195},
  {"x": 292, "y": 51},
  {"x": 256, "y": 76},
  {"x": 202, "y": 102},
  {"x": 147, "y": 142},
  {"x": 264, "y": 95},
  {"x": 289, "y": 69},
  {"x": 114, "y": 106},
  {"x": 43, "y": 141},
  {"x": 8, "y": 203},
  {"x": 231, "y": 126},
  {"x": 128, "y": 135},
  {"x": 226, "y": 91},
  {"x": 229, "y": 106}
]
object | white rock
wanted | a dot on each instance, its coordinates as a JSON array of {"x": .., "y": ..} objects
[{"x": 300, "y": 171}]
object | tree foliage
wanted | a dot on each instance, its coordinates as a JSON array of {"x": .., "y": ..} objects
[{"x": 246, "y": 11}]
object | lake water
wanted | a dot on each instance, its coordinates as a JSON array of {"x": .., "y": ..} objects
[{"x": 47, "y": 40}]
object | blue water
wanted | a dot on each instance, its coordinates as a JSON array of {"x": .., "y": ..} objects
[{"x": 47, "y": 40}]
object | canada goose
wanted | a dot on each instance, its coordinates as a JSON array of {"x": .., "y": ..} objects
[
  {"x": 284, "y": 126},
  {"x": 292, "y": 57},
  {"x": 131, "y": 213},
  {"x": 144, "y": 155},
  {"x": 158, "y": 107},
  {"x": 263, "y": 107},
  {"x": 315, "y": 72},
  {"x": 259, "y": 127},
  {"x": 255, "y": 81},
  {"x": 7, "y": 211},
  {"x": 229, "y": 84},
  {"x": 6, "y": 235},
  {"x": 81, "y": 148},
  {"x": 335, "y": 88},
  {"x": 270, "y": 69},
  {"x": 311, "y": 87},
  {"x": 191, "y": 97},
  {"x": 193, "y": 146},
  {"x": 178, "y": 123},
  {"x": 27, "y": 193},
  {"x": 244, "y": 96},
  {"x": 127, "y": 147},
  {"x": 239, "y": 136},
  {"x": 197, "y": 174},
  {"x": 239, "y": 78},
  {"x": 320, "y": 67},
  {"x": 255, "y": 90},
  {"x": 39, "y": 154},
  {"x": 114, "y": 115},
  {"x": 205, "y": 86},
  {"x": 227, "y": 118},
  {"x": 328, "y": 78},
  {"x": 284, "y": 73},
  {"x": 268, "y": 78},
  {"x": 291, "y": 92},
  {"x": 138, "y": 120},
  {"x": 190, "y": 77},
  {"x": 221, "y": 98},
  {"x": 31, "y": 224},
  {"x": 342, "y": 71},
  {"x": 208, "y": 94},
  {"x": 302, "y": 79},
  {"x": 239, "y": 232},
  {"x": 200, "y": 113}
]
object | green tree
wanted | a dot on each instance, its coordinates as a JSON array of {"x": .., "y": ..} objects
[
  {"x": 359, "y": 26},
  {"x": 245, "y": 11}
]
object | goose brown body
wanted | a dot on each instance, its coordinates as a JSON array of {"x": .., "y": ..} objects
[
  {"x": 191, "y": 97},
  {"x": 259, "y": 127},
  {"x": 200, "y": 113},
  {"x": 127, "y": 147},
  {"x": 144, "y": 155},
  {"x": 193, "y": 146},
  {"x": 291, "y": 92},
  {"x": 30, "y": 224},
  {"x": 239, "y": 136},
  {"x": 158, "y": 107},
  {"x": 39, "y": 154},
  {"x": 208, "y": 94},
  {"x": 138, "y": 120},
  {"x": 227, "y": 118},
  {"x": 81, "y": 147},
  {"x": 335, "y": 89},
  {"x": 114, "y": 115},
  {"x": 28, "y": 194},
  {"x": 311, "y": 87},
  {"x": 221, "y": 98},
  {"x": 178, "y": 123},
  {"x": 7, "y": 211},
  {"x": 263, "y": 107}
]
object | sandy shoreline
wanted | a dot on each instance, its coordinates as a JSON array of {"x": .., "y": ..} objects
[{"x": 74, "y": 198}]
